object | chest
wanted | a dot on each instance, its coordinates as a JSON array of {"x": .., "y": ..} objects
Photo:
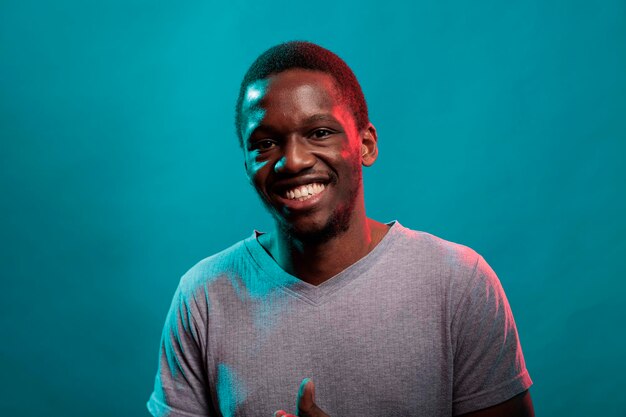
[{"x": 388, "y": 356}]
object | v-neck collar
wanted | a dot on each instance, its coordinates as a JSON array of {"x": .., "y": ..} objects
[{"x": 317, "y": 294}]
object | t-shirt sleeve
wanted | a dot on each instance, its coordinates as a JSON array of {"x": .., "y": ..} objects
[
  {"x": 180, "y": 387},
  {"x": 489, "y": 366}
]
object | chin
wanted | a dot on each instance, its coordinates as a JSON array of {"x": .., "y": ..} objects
[{"x": 317, "y": 230}]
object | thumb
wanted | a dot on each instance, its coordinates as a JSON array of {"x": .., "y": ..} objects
[{"x": 305, "y": 404}]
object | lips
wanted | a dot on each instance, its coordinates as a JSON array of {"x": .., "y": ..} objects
[
  {"x": 304, "y": 192},
  {"x": 281, "y": 186},
  {"x": 307, "y": 202}
]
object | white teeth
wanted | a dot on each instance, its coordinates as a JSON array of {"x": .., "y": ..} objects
[{"x": 304, "y": 192}]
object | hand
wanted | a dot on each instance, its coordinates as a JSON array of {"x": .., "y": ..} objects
[{"x": 305, "y": 402}]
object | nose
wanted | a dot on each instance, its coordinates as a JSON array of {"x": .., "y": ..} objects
[{"x": 296, "y": 157}]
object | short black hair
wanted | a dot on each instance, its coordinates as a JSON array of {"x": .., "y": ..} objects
[{"x": 306, "y": 55}]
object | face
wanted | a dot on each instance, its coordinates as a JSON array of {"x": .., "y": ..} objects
[{"x": 303, "y": 153}]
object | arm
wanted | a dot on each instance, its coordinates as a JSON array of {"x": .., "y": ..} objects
[
  {"x": 180, "y": 387},
  {"x": 519, "y": 406},
  {"x": 490, "y": 373}
]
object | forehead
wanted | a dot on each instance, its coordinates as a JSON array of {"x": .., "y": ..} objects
[
  {"x": 302, "y": 84},
  {"x": 289, "y": 96}
]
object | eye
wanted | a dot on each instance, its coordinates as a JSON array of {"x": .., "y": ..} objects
[
  {"x": 322, "y": 133},
  {"x": 264, "y": 144}
]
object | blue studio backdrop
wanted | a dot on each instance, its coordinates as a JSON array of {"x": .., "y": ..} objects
[{"x": 501, "y": 126}]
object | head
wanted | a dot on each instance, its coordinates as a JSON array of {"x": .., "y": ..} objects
[
  {"x": 303, "y": 126},
  {"x": 304, "y": 55}
]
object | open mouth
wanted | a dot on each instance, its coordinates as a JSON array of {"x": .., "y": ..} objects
[
  {"x": 304, "y": 192},
  {"x": 303, "y": 197}
]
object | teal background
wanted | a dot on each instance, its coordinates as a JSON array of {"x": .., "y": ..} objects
[{"x": 501, "y": 126}]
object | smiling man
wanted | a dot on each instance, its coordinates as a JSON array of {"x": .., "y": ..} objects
[{"x": 332, "y": 313}]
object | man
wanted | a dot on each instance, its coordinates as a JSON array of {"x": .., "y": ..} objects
[{"x": 332, "y": 313}]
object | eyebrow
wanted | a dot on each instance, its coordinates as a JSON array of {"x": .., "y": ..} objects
[
  {"x": 320, "y": 118},
  {"x": 309, "y": 120}
]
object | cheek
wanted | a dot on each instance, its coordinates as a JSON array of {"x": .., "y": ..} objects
[
  {"x": 351, "y": 157},
  {"x": 350, "y": 150},
  {"x": 254, "y": 167},
  {"x": 257, "y": 172}
]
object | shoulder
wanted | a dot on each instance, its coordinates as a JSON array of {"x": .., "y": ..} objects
[
  {"x": 214, "y": 267},
  {"x": 435, "y": 253},
  {"x": 439, "y": 266}
]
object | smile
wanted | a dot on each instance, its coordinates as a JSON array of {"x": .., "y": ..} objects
[{"x": 304, "y": 192}]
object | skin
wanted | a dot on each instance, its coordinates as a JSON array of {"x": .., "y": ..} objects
[
  {"x": 296, "y": 129},
  {"x": 296, "y": 126},
  {"x": 519, "y": 406}
]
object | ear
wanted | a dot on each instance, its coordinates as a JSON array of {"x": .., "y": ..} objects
[{"x": 369, "y": 146}]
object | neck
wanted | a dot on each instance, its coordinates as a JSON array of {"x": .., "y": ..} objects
[{"x": 316, "y": 262}]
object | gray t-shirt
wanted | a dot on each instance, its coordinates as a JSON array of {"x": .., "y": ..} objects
[{"x": 418, "y": 327}]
